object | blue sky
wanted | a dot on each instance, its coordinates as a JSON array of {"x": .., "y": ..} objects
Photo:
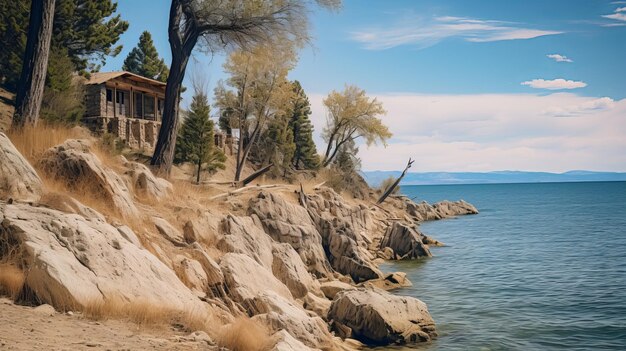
[{"x": 468, "y": 85}]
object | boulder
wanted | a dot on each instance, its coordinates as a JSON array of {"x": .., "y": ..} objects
[
  {"x": 73, "y": 261},
  {"x": 316, "y": 304},
  {"x": 291, "y": 224},
  {"x": 18, "y": 179},
  {"x": 145, "y": 183},
  {"x": 333, "y": 287},
  {"x": 283, "y": 341},
  {"x": 289, "y": 269},
  {"x": 191, "y": 232},
  {"x": 246, "y": 279},
  {"x": 454, "y": 208},
  {"x": 68, "y": 204},
  {"x": 192, "y": 274},
  {"x": 73, "y": 163},
  {"x": 242, "y": 235},
  {"x": 405, "y": 241},
  {"x": 168, "y": 231},
  {"x": 376, "y": 317},
  {"x": 279, "y": 313}
]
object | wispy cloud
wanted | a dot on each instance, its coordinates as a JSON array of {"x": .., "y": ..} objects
[
  {"x": 555, "y": 84},
  {"x": 618, "y": 15},
  {"x": 585, "y": 108},
  {"x": 427, "y": 33},
  {"x": 560, "y": 58}
]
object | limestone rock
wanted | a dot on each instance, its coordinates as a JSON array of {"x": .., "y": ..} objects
[
  {"x": 377, "y": 317},
  {"x": 168, "y": 231},
  {"x": 146, "y": 183},
  {"x": 289, "y": 269},
  {"x": 291, "y": 224},
  {"x": 279, "y": 313},
  {"x": 242, "y": 235},
  {"x": 18, "y": 179},
  {"x": 405, "y": 241},
  {"x": 454, "y": 208},
  {"x": 191, "y": 232},
  {"x": 193, "y": 274},
  {"x": 72, "y": 162},
  {"x": 68, "y": 204},
  {"x": 333, "y": 287},
  {"x": 45, "y": 310},
  {"x": 246, "y": 279},
  {"x": 74, "y": 261},
  {"x": 319, "y": 305},
  {"x": 283, "y": 341}
]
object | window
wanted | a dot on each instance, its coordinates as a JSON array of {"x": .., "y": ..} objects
[
  {"x": 120, "y": 97},
  {"x": 109, "y": 95}
]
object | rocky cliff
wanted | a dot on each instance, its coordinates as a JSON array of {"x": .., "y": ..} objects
[{"x": 301, "y": 261}]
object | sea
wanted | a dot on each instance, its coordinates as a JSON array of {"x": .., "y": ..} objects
[{"x": 542, "y": 267}]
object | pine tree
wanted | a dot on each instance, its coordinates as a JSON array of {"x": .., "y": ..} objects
[
  {"x": 195, "y": 143},
  {"x": 87, "y": 29},
  {"x": 144, "y": 60},
  {"x": 305, "y": 154},
  {"x": 276, "y": 146}
]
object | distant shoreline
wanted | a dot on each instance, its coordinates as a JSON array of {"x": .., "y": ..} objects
[{"x": 520, "y": 183}]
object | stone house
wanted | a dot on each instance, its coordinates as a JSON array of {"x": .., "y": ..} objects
[{"x": 126, "y": 105}]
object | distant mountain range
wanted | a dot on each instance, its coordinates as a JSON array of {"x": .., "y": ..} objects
[{"x": 374, "y": 178}]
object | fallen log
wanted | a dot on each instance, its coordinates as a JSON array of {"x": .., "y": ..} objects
[{"x": 389, "y": 190}]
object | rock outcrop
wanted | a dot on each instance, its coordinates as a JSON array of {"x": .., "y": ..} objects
[
  {"x": 376, "y": 317},
  {"x": 279, "y": 313},
  {"x": 145, "y": 183},
  {"x": 242, "y": 235},
  {"x": 291, "y": 224},
  {"x": 18, "y": 179},
  {"x": 424, "y": 211},
  {"x": 405, "y": 241},
  {"x": 73, "y": 163},
  {"x": 73, "y": 261},
  {"x": 289, "y": 269}
]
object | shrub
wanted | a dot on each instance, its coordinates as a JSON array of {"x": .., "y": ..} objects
[{"x": 244, "y": 334}]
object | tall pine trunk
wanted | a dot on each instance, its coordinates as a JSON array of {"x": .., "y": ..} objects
[{"x": 35, "y": 65}]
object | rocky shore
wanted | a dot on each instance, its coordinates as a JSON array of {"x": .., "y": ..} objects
[{"x": 303, "y": 263}]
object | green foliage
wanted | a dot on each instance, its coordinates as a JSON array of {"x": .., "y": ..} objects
[
  {"x": 86, "y": 29},
  {"x": 305, "y": 153},
  {"x": 195, "y": 142},
  {"x": 63, "y": 101},
  {"x": 386, "y": 184},
  {"x": 276, "y": 145},
  {"x": 14, "y": 16},
  {"x": 144, "y": 60},
  {"x": 344, "y": 172}
]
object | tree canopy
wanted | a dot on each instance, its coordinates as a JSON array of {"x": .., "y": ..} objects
[
  {"x": 196, "y": 142},
  {"x": 144, "y": 60},
  {"x": 86, "y": 31},
  {"x": 220, "y": 25},
  {"x": 352, "y": 115},
  {"x": 305, "y": 152}
]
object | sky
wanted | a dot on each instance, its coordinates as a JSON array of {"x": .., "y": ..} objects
[{"x": 480, "y": 85}]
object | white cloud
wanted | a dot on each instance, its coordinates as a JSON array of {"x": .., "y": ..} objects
[
  {"x": 621, "y": 9},
  {"x": 427, "y": 33},
  {"x": 616, "y": 16},
  {"x": 496, "y": 132},
  {"x": 585, "y": 108},
  {"x": 555, "y": 84},
  {"x": 560, "y": 58}
]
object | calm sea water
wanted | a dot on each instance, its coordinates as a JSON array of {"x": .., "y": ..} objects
[{"x": 542, "y": 267}]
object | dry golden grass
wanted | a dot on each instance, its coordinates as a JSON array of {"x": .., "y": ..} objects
[
  {"x": 32, "y": 142},
  {"x": 145, "y": 314},
  {"x": 244, "y": 334},
  {"x": 11, "y": 280}
]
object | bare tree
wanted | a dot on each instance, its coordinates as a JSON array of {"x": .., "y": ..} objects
[
  {"x": 34, "y": 68},
  {"x": 219, "y": 25}
]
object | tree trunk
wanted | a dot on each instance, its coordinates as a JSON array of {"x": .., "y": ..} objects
[
  {"x": 199, "y": 168},
  {"x": 33, "y": 78},
  {"x": 389, "y": 190},
  {"x": 182, "y": 45}
]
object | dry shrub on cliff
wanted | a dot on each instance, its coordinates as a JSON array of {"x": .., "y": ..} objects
[
  {"x": 145, "y": 314},
  {"x": 11, "y": 280},
  {"x": 244, "y": 334}
]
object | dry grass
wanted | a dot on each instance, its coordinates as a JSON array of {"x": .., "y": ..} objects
[
  {"x": 11, "y": 280},
  {"x": 244, "y": 334},
  {"x": 145, "y": 314},
  {"x": 32, "y": 142}
]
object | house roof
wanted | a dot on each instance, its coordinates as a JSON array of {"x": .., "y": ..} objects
[{"x": 101, "y": 77}]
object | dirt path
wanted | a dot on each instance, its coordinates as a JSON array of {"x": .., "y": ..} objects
[{"x": 28, "y": 328}]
